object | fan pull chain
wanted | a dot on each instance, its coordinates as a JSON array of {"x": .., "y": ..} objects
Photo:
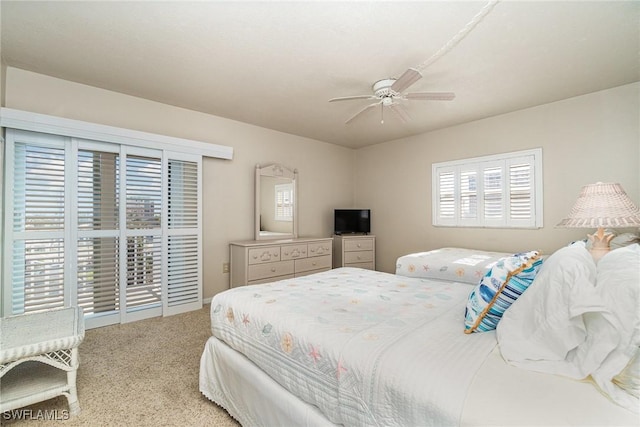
[{"x": 459, "y": 36}]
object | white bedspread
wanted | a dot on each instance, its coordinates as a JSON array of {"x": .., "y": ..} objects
[{"x": 366, "y": 348}]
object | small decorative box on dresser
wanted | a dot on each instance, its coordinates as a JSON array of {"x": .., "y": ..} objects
[
  {"x": 261, "y": 261},
  {"x": 354, "y": 250}
]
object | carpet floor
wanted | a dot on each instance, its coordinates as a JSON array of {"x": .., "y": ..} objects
[{"x": 143, "y": 373}]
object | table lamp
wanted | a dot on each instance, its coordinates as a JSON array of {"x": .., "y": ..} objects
[{"x": 602, "y": 205}]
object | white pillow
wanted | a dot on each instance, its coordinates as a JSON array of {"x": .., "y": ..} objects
[
  {"x": 546, "y": 328},
  {"x": 618, "y": 281}
]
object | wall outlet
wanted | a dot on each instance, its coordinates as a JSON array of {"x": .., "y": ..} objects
[{"x": 225, "y": 267}]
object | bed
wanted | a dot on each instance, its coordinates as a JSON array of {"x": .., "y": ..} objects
[{"x": 358, "y": 347}]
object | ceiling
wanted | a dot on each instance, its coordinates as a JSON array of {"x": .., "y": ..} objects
[{"x": 276, "y": 64}]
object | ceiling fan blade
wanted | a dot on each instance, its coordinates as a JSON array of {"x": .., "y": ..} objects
[
  {"x": 348, "y": 98},
  {"x": 407, "y": 79},
  {"x": 401, "y": 112},
  {"x": 362, "y": 111},
  {"x": 431, "y": 96}
]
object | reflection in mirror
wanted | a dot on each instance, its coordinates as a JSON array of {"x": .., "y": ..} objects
[{"x": 276, "y": 204}]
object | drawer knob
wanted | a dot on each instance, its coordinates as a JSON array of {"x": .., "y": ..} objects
[
  {"x": 358, "y": 244},
  {"x": 273, "y": 269}
]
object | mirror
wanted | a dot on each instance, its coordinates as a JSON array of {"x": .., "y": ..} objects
[{"x": 276, "y": 202}]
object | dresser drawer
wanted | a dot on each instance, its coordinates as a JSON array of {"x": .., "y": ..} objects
[
  {"x": 261, "y": 255},
  {"x": 358, "y": 256},
  {"x": 358, "y": 245},
  {"x": 269, "y": 279},
  {"x": 274, "y": 269},
  {"x": 319, "y": 249},
  {"x": 293, "y": 251},
  {"x": 365, "y": 265},
  {"x": 313, "y": 263}
]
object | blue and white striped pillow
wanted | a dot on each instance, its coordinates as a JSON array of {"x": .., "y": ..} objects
[{"x": 498, "y": 289}]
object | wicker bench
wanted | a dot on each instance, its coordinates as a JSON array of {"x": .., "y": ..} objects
[{"x": 39, "y": 357}]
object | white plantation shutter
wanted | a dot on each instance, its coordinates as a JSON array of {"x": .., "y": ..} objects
[
  {"x": 98, "y": 275},
  {"x": 144, "y": 192},
  {"x": 445, "y": 203},
  {"x": 521, "y": 191},
  {"x": 183, "y": 288},
  {"x": 37, "y": 216},
  {"x": 142, "y": 265},
  {"x": 144, "y": 272},
  {"x": 98, "y": 228},
  {"x": 493, "y": 191},
  {"x": 38, "y": 275},
  {"x": 469, "y": 188},
  {"x": 112, "y": 228},
  {"x": 39, "y": 188},
  {"x": 183, "y": 197}
]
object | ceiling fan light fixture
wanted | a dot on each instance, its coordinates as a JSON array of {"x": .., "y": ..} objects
[{"x": 382, "y": 88}]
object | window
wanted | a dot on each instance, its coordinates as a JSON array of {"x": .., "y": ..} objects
[
  {"x": 494, "y": 191},
  {"x": 284, "y": 202},
  {"x": 112, "y": 228}
]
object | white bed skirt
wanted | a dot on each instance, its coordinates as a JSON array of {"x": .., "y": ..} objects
[
  {"x": 248, "y": 394},
  {"x": 501, "y": 395}
]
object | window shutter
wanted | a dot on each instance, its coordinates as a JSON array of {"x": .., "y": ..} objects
[
  {"x": 98, "y": 190},
  {"x": 521, "y": 195},
  {"x": 184, "y": 268},
  {"x": 493, "y": 193},
  {"x": 468, "y": 196},
  {"x": 38, "y": 260},
  {"x": 502, "y": 190},
  {"x": 144, "y": 192},
  {"x": 144, "y": 234},
  {"x": 183, "y": 279},
  {"x": 38, "y": 188},
  {"x": 112, "y": 228},
  {"x": 445, "y": 206},
  {"x": 98, "y": 275},
  {"x": 38, "y": 275},
  {"x": 144, "y": 272},
  {"x": 182, "y": 194}
]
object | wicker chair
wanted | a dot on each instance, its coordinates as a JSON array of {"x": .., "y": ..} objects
[{"x": 39, "y": 357}]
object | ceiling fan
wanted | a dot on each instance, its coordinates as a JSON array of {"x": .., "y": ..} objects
[{"x": 389, "y": 93}]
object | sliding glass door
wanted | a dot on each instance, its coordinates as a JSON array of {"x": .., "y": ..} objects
[{"x": 111, "y": 228}]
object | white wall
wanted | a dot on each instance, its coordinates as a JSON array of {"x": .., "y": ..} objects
[
  {"x": 325, "y": 170},
  {"x": 586, "y": 139}
]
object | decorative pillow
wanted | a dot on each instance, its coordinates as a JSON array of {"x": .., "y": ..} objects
[
  {"x": 451, "y": 264},
  {"x": 498, "y": 289}
]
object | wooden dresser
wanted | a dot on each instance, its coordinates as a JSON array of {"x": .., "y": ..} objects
[
  {"x": 261, "y": 261},
  {"x": 354, "y": 250}
]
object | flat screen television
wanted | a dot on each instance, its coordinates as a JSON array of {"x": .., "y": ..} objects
[{"x": 351, "y": 221}]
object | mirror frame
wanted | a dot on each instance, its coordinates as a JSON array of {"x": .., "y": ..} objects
[{"x": 278, "y": 171}]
